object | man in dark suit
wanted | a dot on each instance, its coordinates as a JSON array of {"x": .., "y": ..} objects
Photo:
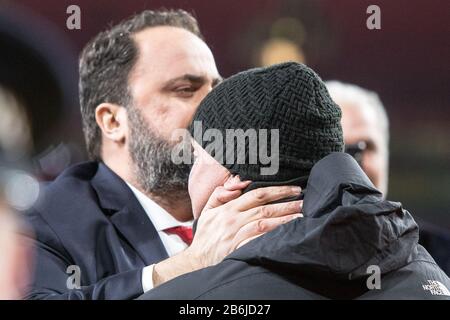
[{"x": 119, "y": 225}]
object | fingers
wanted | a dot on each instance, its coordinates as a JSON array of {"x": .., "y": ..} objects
[
  {"x": 271, "y": 211},
  {"x": 231, "y": 190},
  {"x": 235, "y": 183},
  {"x": 221, "y": 196},
  {"x": 224, "y": 196},
  {"x": 247, "y": 241},
  {"x": 262, "y": 196},
  {"x": 259, "y": 227}
]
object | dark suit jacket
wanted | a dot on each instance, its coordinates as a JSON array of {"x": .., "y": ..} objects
[{"x": 88, "y": 217}]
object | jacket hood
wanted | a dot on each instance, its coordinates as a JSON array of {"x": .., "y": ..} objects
[{"x": 347, "y": 227}]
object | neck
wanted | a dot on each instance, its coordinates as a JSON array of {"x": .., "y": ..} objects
[
  {"x": 121, "y": 167},
  {"x": 118, "y": 161},
  {"x": 179, "y": 206},
  {"x": 176, "y": 203}
]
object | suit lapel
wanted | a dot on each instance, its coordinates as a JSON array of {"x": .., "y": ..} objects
[
  {"x": 128, "y": 216},
  {"x": 140, "y": 233}
]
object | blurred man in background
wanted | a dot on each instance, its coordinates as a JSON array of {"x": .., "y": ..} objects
[
  {"x": 14, "y": 257},
  {"x": 366, "y": 135},
  {"x": 120, "y": 225},
  {"x": 15, "y": 187},
  {"x": 15, "y": 252},
  {"x": 366, "y": 130}
]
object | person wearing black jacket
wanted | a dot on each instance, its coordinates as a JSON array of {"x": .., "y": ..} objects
[
  {"x": 348, "y": 232},
  {"x": 365, "y": 125},
  {"x": 350, "y": 242}
]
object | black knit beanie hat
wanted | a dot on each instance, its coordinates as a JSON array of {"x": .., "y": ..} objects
[{"x": 289, "y": 97}]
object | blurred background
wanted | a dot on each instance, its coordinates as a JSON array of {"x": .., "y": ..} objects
[{"x": 406, "y": 62}]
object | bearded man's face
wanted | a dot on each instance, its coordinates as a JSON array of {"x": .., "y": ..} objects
[
  {"x": 174, "y": 71},
  {"x": 150, "y": 153}
]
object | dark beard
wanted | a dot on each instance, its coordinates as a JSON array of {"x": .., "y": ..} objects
[{"x": 151, "y": 155}]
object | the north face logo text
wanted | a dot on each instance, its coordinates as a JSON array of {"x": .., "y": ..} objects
[{"x": 436, "y": 288}]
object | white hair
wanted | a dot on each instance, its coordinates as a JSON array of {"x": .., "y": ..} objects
[{"x": 363, "y": 98}]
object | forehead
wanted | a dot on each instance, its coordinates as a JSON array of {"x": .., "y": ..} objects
[
  {"x": 358, "y": 114},
  {"x": 359, "y": 122},
  {"x": 167, "y": 52}
]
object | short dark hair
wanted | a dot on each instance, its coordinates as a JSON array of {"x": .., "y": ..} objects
[{"x": 107, "y": 60}]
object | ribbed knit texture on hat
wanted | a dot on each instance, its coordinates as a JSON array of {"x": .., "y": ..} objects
[{"x": 290, "y": 97}]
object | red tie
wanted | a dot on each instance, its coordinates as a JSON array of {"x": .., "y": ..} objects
[{"x": 185, "y": 233}]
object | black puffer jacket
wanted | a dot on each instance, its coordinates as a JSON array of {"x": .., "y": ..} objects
[{"x": 348, "y": 234}]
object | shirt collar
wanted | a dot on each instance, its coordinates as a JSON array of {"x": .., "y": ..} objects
[{"x": 160, "y": 218}]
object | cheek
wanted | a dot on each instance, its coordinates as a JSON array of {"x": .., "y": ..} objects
[
  {"x": 202, "y": 181},
  {"x": 197, "y": 189},
  {"x": 193, "y": 176},
  {"x": 177, "y": 115},
  {"x": 183, "y": 116},
  {"x": 373, "y": 166}
]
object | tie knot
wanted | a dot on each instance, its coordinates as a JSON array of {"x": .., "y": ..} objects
[{"x": 185, "y": 233}]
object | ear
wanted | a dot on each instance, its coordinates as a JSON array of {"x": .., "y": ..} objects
[{"x": 112, "y": 120}]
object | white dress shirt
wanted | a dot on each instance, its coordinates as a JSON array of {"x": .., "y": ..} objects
[{"x": 161, "y": 220}]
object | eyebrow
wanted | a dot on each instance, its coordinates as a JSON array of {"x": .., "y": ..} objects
[{"x": 193, "y": 79}]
